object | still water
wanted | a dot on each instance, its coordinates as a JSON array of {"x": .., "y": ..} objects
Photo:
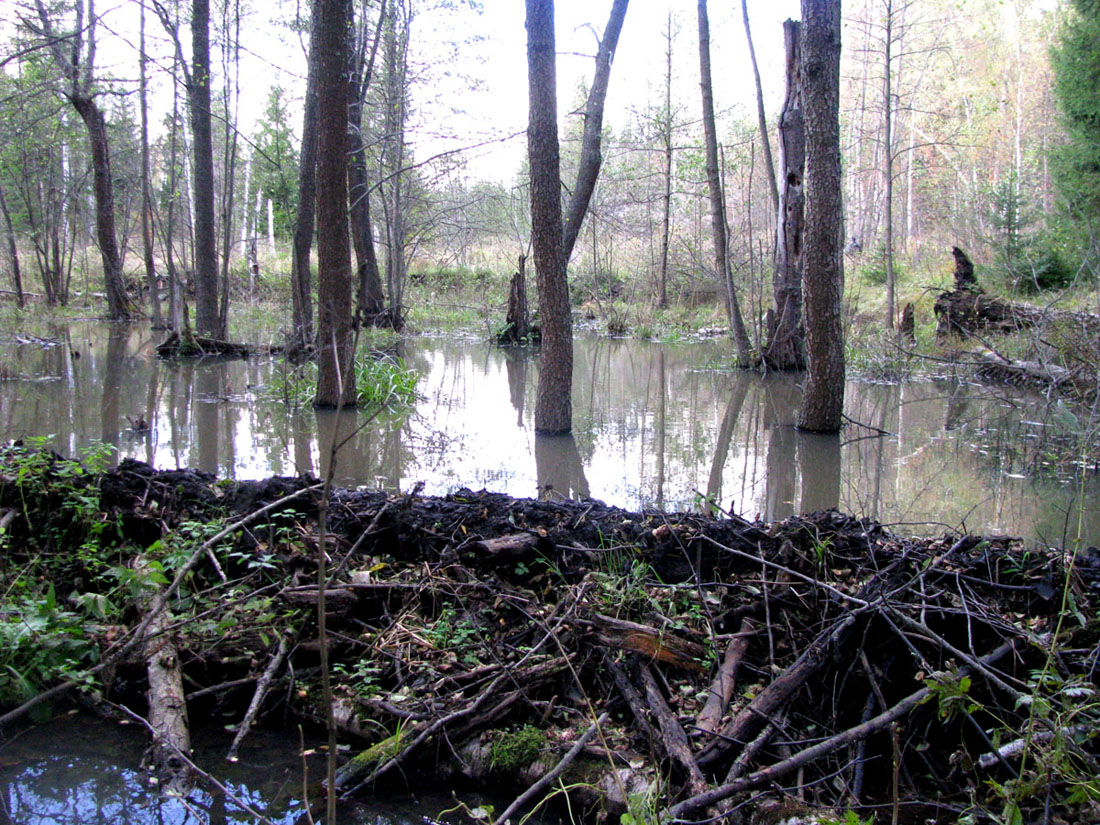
[
  {"x": 96, "y": 779},
  {"x": 655, "y": 425}
]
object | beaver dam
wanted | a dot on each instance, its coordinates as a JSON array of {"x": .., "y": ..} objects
[{"x": 651, "y": 666}]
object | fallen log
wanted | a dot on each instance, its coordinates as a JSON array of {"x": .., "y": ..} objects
[
  {"x": 659, "y": 645},
  {"x": 167, "y": 705}
]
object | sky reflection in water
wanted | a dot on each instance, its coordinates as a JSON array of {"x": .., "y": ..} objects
[{"x": 653, "y": 427}]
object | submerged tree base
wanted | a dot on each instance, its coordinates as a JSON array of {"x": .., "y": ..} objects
[
  {"x": 195, "y": 346},
  {"x": 655, "y": 663}
]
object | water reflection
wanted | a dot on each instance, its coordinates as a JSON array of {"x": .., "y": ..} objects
[
  {"x": 97, "y": 780},
  {"x": 651, "y": 428}
]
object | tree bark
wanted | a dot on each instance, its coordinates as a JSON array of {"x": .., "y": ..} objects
[
  {"x": 666, "y": 196},
  {"x": 77, "y": 68},
  {"x": 823, "y": 275},
  {"x": 717, "y": 197},
  {"x": 336, "y": 377},
  {"x": 785, "y": 348},
  {"x": 591, "y": 157},
  {"x": 207, "y": 315},
  {"x": 146, "y": 197},
  {"x": 300, "y": 278},
  {"x": 371, "y": 301},
  {"x": 761, "y": 119},
  {"x": 554, "y": 403},
  {"x": 13, "y": 252}
]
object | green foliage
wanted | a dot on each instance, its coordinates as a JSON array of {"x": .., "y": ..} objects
[
  {"x": 40, "y": 642},
  {"x": 873, "y": 271},
  {"x": 381, "y": 381},
  {"x": 1075, "y": 60},
  {"x": 275, "y": 162}
]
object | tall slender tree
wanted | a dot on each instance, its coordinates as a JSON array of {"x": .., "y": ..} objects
[
  {"x": 208, "y": 320},
  {"x": 717, "y": 196},
  {"x": 77, "y": 69},
  {"x": 591, "y": 157},
  {"x": 300, "y": 277},
  {"x": 823, "y": 274},
  {"x": 553, "y": 402},
  {"x": 335, "y": 340}
]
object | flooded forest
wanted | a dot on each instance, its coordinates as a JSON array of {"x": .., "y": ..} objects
[{"x": 430, "y": 412}]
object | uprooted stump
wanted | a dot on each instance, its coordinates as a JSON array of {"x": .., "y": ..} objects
[{"x": 670, "y": 663}]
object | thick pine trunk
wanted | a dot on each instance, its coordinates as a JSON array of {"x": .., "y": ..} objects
[
  {"x": 823, "y": 274},
  {"x": 336, "y": 376}
]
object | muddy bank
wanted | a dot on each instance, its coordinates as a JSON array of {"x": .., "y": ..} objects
[{"x": 661, "y": 664}]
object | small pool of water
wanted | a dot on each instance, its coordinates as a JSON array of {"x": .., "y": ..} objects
[
  {"x": 86, "y": 771},
  {"x": 655, "y": 425}
]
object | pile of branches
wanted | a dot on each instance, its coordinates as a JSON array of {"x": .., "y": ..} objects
[{"x": 670, "y": 666}]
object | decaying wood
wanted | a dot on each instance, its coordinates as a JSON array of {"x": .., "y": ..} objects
[
  {"x": 674, "y": 740},
  {"x": 660, "y": 645},
  {"x": 444, "y": 653},
  {"x": 721, "y": 689},
  {"x": 167, "y": 706},
  {"x": 745, "y": 724},
  {"x": 197, "y": 346},
  {"x": 258, "y": 695}
]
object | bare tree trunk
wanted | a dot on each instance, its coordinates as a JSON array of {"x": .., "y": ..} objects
[
  {"x": 371, "y": 301},
  {"x": 77, "y": 68},
  {"x": 823, "y": 277},
  {"x": 336, "y": 377},
  {"x": 717, "y": 197},
  {"x": 230, "y": 61},
  {"x": 554, "y": 403},
  {"x": 300, "y": 279},
  {"x": 13, "y": 252},
  {"x": 146, "y": 196},
  {"x": 666, "y": 197},
  {"x": 591, "y": 158},
  {"x": 888, "y": 159},
  {"x": 785, "y": 336},
  {"x": 207, "y": 314},
  {"x": 761, "y": 120}
]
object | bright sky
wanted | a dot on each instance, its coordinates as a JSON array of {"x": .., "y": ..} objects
[
  {"x": 482, "y": 94},
  {"x": 500, "y": 106}
]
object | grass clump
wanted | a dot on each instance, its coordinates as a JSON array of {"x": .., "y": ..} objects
[{"x": 380, "y": 381}]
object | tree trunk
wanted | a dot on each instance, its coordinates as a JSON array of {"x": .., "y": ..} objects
[
  {"x": 666, "y": 196},
  {"x": 146, "y": 197},
  {"x": 336, "y": 376},
  {"x": 823, "y": 275},
  {"x": 761, "y": 120},
  {"x": 554, "y": 403},
  {"x": 118, "y": 305},
  {"x": 517, "y": 319},
  {"x": 785, "y": 335},
  {"x": 207, "y": 315},
  {"x": 591, "y": 158},
  {"x": 13, "y": 252},
  {"x": 888, "y": 160},
  {"x": 717, "y": 198},
  {"x": 300, "y": 278},
  {"x": 371, "y": 301}
]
